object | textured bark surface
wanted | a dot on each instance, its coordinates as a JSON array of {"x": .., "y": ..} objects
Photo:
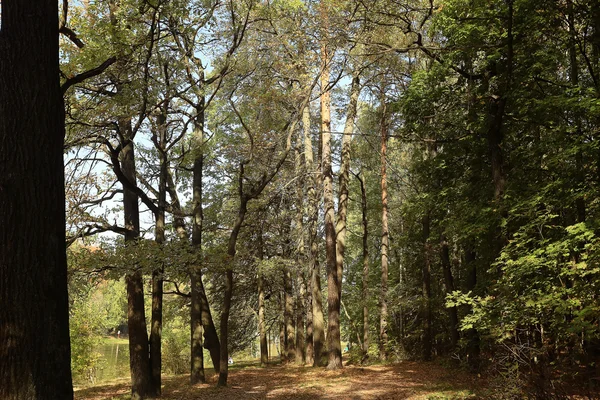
[
  {"x": 365, "y": 272},
  {"x": 290, "y": 334},
  {"x": 334, "y": 346},
  {"x": 34, "y": 330},
  {"x": 201, "y": 320},
  {"x": 315, "y": 326},
  {"x": 385, "y": 240},
  {"x": 228, "y": 292},
  {"x": 160, "y": 142},
  {"x": 344, "y": 181},
  {"x": 139, "y": 361}
]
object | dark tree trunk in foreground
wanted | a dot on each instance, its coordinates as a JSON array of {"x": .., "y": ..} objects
[{"x": 34, "y": 324}]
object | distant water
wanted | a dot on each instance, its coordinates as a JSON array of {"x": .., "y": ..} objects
[{"x": 115, "y": 362}]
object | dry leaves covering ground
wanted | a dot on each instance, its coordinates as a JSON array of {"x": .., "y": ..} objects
[{"x": 407, "y": 380}]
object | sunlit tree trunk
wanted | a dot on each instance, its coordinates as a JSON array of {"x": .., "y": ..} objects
[
  {"x": 315, "y": 329},
  {"x": 262, "y": 331},
  {"x": 344, "y": 181},
  {"x": 300, "y": 300},
  {"x": 34, "y": 322},
  {"x": 383, "y": 311}
]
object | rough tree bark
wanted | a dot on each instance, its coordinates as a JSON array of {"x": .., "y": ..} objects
[
  {"x": 200, "y": 316},
  {"x": 385, "y": 241},
  {"x": 139, "y": 361},
  {"x": 159, "y": 140},
  {"x": 300, "y": 299},
  {"x": 344, "y": 181},
  {"x": 315, "y": 328},
  {"x": 262, "y": 331},
  {"x": 365, "y": 273},
  {"x": 34, "y": 324},
  {"x": 334, "y": 346}
]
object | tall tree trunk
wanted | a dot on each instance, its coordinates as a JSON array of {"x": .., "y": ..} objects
[
  {"x": 282, "y": 336},
  {"x": 228, "y": 292},
  {"x": 449, "y": 283},
  {"x": 157, "y": 274},
  {"x": 290, "y": 336},
  {"x": 344, "y": 181},
  {"x": 427, "y": 317},
  {"x": 334, "y": 346},
  {"x": 385, "y": 241},
  {"x": 34, "y": 327},
  {"x": 264, "y": 350},
  {"x": 200, "y": 316},
  {"x": 262, "y": 331},
  {"x": 139, "y": 361},
  {"x": 300, "y": 300},
  {"x": 315, "y": 329},
  {"x": 574, "y": 77},
  {"x": 365, "y": 273},
  {"x": 300, "y": 312}
]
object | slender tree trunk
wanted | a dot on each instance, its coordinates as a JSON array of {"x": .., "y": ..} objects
[
  {"x": 344, "y": 181},
  {"x": 227, "y": 294},
  {"x": 365, "y": 274},
  {"x": 300, "y": 312},
  {"x": 385, "y": 241},
  {"x": 300, "y": 300},
  {"x": 449, "y": 283},
  {"x": 141, "y": 379},
  {"x": 200, "y": 316},
  {"x": 262, "y": 331},
  {"x": 315, "y": 330},
  {"x": 157, "y": 275},
  {"x": 282, "y": 336},
  {"x": 334, "y": 346},
  {"x": 290, "y": 336},
  {"x": 574, "y": 77},
  {"x": 264, "y": 351},
  {"x": 34, "y": 322},
  {"x": 427, "y": 328}
]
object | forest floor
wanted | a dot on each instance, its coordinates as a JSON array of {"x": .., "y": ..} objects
[{"x": 405, "y": 380}]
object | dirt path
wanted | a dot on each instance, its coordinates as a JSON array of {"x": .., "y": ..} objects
[{"x": 407, "y": 380}]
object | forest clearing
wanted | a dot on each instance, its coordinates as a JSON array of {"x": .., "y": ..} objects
[
  {"x": 281, "y": 199},
  {"x": 406, "y": 380}
]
